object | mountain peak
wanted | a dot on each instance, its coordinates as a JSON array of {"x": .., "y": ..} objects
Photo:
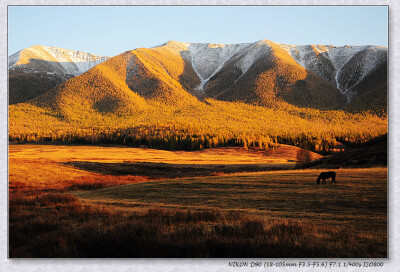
[
  {"x": 303, "y": 74},
  {"x": 38, "y": 68},
  {"x": 54, "y": 60},
  {"x": 174, "y": 46},
  {"x": 264, "y": 42}
]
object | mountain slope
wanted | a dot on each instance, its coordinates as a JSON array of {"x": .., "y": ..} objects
[
  {"x": 54, "y": 60},
  {"x": 103, "y": 89},
  {"x": 364, "y": 79},
  {"x": 122, "y": 85},
  {"x": 368, "y": 154},
  {"x": 261, "y": 73},
  {"x": 195, "y": 96},
  {"x": 349, "y": 68},
  {"x": 371, "y": 91},
  {"x": 37, "y": 69},
  {"x": 155, "y": 74},
  {"x": 266, "y": 74}
]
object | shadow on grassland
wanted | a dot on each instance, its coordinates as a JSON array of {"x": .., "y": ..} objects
[{"x": 165, "y": 170}]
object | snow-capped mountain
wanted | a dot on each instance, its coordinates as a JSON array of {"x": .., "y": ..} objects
[
  {"x": 36, "y": 69},
  {"x": 54, "y": 60},
  {"x": 344, "y": 66},
  {"x": 262, "y": 73}
]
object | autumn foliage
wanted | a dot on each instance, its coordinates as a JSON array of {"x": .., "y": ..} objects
[{"x": 146, "y": 97}]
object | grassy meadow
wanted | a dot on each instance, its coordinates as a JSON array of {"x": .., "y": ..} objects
[
  {"x": 137, "y": 157},
  {"x": 88, "y": 201}
]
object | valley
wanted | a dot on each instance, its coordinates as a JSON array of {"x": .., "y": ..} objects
[
  {"x": 199, "y": 150},
  {"x": 57, "y": 203}
]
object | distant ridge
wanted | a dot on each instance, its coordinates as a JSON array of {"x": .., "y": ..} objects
[
  {"x": 37, "y": 69},
  {"x": 229, "y": 71},
  {"x": 103, "y": 89},
  {"x": 261, "y": 73},
  {"x": 54, "y": 60}
]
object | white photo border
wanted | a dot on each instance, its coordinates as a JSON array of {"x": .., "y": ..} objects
[{"x": 392, "y": 263}]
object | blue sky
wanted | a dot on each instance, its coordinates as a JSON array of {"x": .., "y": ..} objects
[{"x": 111, "y": 30}]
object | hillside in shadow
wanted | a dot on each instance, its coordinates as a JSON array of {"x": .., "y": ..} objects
[{"x": 369, "y": 154}]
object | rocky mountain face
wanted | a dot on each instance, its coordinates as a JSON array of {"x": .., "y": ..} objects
[
  {"x": 345, "y": 66},
  {"x": 262, "y": 73},
  {"x": 37, "y": 69},
  {"x": 220, "y": 67}
]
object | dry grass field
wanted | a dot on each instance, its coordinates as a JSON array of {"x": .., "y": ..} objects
[
  {"x": 64, "y": 201},
  {"x": 60, "y": 166}
]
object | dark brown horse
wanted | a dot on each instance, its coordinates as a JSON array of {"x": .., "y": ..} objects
[{"x": 326, "y": 175}]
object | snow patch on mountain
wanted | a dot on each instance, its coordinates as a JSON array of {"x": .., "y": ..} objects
[
  {"x": 341, "y": 55},
  {"x": 252, "y": 53},
  {"x": 318, "y": 58},
  {"x": 54, "y": 60},
  {"x": 306, "y": 55},
  {"x": 13, "y": 59},
  {"x": 75, "y": 62},
  {"x": 326, "y": 61},
  {"x": 287, "y": 47},
  {"x": 373, "y": 56},
  {"x": 358, "y": 68},
  {"x": 208, "y": 59}
]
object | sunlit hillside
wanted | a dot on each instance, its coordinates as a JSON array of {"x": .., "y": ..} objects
[
  {"x": 155, "y": 76},
  {"x": 207, "y": 124},
  {"x": 277, "y": 78},
  {"x": 196, "y": 96},
  {"x": 37, "y": 69},
  {"x": 102, "y": 90}
]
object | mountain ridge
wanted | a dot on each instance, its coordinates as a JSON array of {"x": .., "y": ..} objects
[
  {"x": 194, "y": 96},
  {"x": 70, "y": 61},
  {"x": 37, "y": 69},
  {"x": 325, "y": 61},
  {"x": 263, "y": 72}
]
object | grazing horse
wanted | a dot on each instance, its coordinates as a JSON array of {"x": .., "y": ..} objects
[{"x": 326, "y": 175}]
